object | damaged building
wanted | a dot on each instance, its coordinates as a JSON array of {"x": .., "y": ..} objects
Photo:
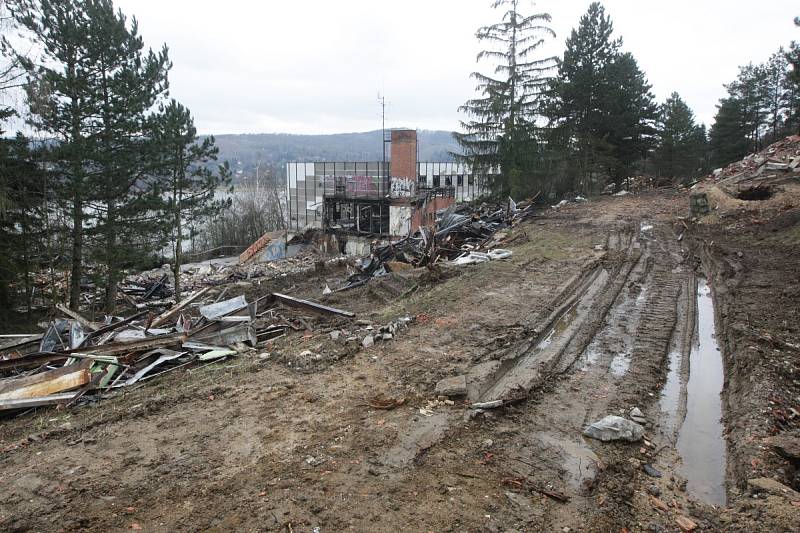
[{"x": 376, "y": 198}]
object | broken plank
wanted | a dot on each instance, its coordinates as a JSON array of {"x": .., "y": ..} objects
[
  {"x": 311, "y": 306},
  {"x": 28, "y": 403},
  {"x": 45, "y": 383},
  {"x": 163, "y": 317},
  {"x": 122, "y": 348},
  {"x": 76, "y": 316}
]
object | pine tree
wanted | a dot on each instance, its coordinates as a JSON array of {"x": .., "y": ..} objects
[
  {"x": 793, "y": 84},
  {"x": 186, "y": 176},
  {"x": 502, "y": 131},
  {"x": 578, "y": 91},
  {"x": 631, "y": 115},
  {"x": 728, "y": 139},
  {"x": 90, "y": 92},
  {"x": 775, "y": 93},
  {"x": 59, "y": 107},
  {"x": 128, "y": 83},
  {"x": 681, "y": 142}
]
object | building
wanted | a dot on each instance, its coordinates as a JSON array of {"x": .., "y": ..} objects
[{"x": 391, "y": 199}]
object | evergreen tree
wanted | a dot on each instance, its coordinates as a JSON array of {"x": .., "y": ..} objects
[
  {"x": 681, "y": 142},
  {"x": 578, "y": 93},
  {"x": 728, "y": 139},
  {"x": 188, "y": 181},
  {"x": 59, "y": 106},
  {"x": 90, "y": 92},
  {"x": 793, "y": 84},
  {"x": 631, "y": 116},
  {"x": 22, "y": 218},
  {"x": 502, "y": 129},
  {"x": 128, "y": 83}
]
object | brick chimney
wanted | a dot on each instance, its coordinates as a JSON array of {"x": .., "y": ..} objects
[{"x": 404, "y": 154}]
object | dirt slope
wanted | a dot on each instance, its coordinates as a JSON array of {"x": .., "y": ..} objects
[{"x": 577, "y": 324}]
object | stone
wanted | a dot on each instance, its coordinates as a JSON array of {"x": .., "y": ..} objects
[
  {"x": 650, "y": 471},
  {"x": 368, "y": 341},
  {"x": 450, "y": 387},
  {"x": 637, "y": 415},
  {"x": 387, "y": 336},
  {"x": 771, "y": 486},
  {"x": 614, "y": 428},
  {"x": 335, "y": 334},
  {"x": 685, "y": 523},
  {"x": 654, "y": 490}
]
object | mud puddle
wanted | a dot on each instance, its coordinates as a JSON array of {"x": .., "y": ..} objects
[
  {"x": 700, "y": 442},
  {"x": 669, "y": 402}
]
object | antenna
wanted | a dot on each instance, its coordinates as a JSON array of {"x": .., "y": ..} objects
[{"x": 384, "y": 140}]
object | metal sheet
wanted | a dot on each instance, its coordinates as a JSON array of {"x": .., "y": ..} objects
[{"x": 225, "y": 307}]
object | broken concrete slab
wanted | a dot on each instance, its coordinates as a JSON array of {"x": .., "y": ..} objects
[{"x": 452, "y": 387}]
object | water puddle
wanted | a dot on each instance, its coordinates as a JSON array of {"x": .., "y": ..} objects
[
  {"x": 671, "y": 393},
  {"x": 559, "y": 327},
  {"x": 700, "y": 443},
  {"x": 620, "y": 364},
  {"x": 645, "y": 227}
]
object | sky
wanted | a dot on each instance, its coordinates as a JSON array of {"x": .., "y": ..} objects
[{"x": 318, "y": 66}]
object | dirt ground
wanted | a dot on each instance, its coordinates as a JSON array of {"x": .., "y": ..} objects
[{"x": 582, "y": 321}]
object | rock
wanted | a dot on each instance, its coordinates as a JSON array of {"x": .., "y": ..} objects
[
  {"x": 771, "y": 486},
  {"x": 788, "y": 446},
  {"x": 335, "y": 334},
  {"x": 654, "y": 490},
  {"x": 455, "y": 386},
  {"x": 387, "y": 336},
  {"x": 368, "y": 341},
  {"x": 637, "y": 415},
  {"x": 685, "y": 523},
  {"x": 614, "y": 428},
  {"x": 650, "y": 471}
]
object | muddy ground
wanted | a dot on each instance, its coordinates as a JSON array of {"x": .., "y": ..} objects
[{"x": 594, "y": 313}]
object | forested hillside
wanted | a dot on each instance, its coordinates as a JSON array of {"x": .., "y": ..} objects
[{"x": 269, "y": 151}]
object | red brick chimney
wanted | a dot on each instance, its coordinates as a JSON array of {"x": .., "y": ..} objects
[{"x": 404, "y": 154}]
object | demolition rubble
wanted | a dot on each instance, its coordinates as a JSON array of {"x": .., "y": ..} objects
[{"x": 78, "y": 360}]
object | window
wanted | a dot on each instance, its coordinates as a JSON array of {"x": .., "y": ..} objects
[
  {"x": 460, "y": 180},
  {"x": 448, "y": 181},
  {"x": 436, "y": 181},
  {"x": 471, "y": 180},
  {"x": 422, "y": 180}
]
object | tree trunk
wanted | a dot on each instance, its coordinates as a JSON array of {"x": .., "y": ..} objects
[
  {"x": 77, "y": 253},
  {"x": 178, "y": 253},
  {"x": 112, "y": 275}
]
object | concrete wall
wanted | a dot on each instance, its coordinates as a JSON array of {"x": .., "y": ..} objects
[{"x": 399, "y": 220}]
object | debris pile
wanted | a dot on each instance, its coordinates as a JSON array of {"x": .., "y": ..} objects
[
  {"x": 76, "y": 356},
  {"x": 778, "y": 162},
  {"x": 461, "y": 235}
]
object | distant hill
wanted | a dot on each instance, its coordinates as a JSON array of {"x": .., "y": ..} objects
[{"x": 272, "y": 150}]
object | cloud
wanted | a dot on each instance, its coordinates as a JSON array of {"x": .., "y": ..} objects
[{"x": 317, "y": 66}]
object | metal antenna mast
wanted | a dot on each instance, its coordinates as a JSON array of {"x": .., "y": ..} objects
[{"x": 382, "y": 100}]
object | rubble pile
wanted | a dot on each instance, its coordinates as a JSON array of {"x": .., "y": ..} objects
[
  {"x": 777, "y": 162},
  {"x": 76, "y": 356},
  {"x": 461, "y": 235}
]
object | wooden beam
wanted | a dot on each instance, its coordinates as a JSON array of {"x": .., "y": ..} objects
[
  {"x": 87, "y": 324},
  {"x": 163, "y": 317},
  {"x": 46, "y": 383}
]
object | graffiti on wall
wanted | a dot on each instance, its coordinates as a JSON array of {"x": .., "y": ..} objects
[
  {"x": 402, "y": 188},
  {"x": 356, "y": 185}
]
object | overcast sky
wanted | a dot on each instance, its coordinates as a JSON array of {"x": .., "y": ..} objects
[{"x": 317, "y": 66}]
